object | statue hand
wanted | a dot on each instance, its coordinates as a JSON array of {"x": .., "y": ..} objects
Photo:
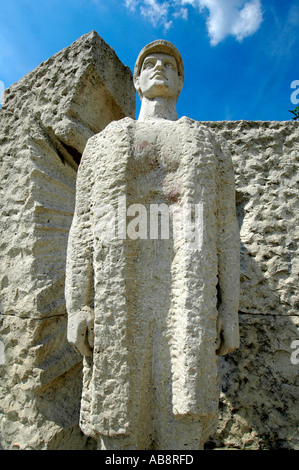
[
  {"x": 227, "y": 332},
  {"x": 80, "y": 331}
]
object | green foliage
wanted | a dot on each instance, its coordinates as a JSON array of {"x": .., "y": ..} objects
[{"x": 296, "y": 113}]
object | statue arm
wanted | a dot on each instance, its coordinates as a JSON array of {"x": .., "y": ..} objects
[
  {"x": 79, "y": 293},
  {"x": 228, "y": 256}
]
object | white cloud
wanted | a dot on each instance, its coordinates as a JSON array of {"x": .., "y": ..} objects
[
  {"x": 2, "y": 88},
  {"x": 131, "y": 4},
  {"x": 237, "y": 18},
  {"x": 249, "y": 20},
  {"x": 156, "y": 12},
  {"x": 181, "y": 13}
]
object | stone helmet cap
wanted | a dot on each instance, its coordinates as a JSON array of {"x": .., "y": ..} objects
[{"x": 162, "y": 46}]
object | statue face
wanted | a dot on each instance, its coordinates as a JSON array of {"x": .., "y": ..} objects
[{"x": 159, "y": 77}]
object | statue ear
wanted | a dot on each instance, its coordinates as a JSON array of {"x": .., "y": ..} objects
[
  {"x": 181, "y": 83},
  {"x": 136, "y": 85}
]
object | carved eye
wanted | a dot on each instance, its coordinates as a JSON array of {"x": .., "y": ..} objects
[
  {"x": 148, "y": 64},
  {"x": 169, "y": 65}
]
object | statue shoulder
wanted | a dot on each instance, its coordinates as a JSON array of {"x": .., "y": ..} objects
[
  {"x": 121, "y": 126},
  {"x": 201, "y": 127},
  {"x": 201, "y": 130},
  {"x": 113, "y": 132},
  {"x": 208, "y": 133}
]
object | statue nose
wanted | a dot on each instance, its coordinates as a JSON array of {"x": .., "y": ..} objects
[{"x": 159, "y": 65}]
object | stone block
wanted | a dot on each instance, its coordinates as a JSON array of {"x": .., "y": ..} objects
[
  {"x": 46, "y": 120},
  {"x": 259, "y": 387},
  {"x": 259, "y": 382}
]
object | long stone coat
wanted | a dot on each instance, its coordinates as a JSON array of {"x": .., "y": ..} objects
[{"x": 155, "y": 300}]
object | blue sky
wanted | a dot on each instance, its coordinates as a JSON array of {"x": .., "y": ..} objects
[{"x": 241, "y": 56}]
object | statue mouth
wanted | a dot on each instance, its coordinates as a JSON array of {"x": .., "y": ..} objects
[{"x": 159, "y": 75}]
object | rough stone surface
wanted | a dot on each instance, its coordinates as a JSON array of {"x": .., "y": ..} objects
[
  {"x": 265, "y": 157},
  {"x": 259, "y": 387},
  {"x": 154, "y": 301},
  {"x": 259, "y": 381},
  {"x": 154, "y": 371},
  {"x": 46, "y": 119},
  {"x": 259, "y": 384}
]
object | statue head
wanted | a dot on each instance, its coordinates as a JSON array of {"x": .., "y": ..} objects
[{"x": 159, "y": 71}]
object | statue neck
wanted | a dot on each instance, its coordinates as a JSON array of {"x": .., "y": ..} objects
[{"x": 158, "y": 108}]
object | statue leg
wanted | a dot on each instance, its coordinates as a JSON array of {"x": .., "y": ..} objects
[
  {"x": 188, "y": 435},
  {"x": 116, "y": 443},
  {"x": 184, "y": 434}
]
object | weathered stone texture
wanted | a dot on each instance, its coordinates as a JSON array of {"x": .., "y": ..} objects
[
  {"x": 259, "y": 398},
  {"x": 154, "y": 300},
  {"x": 265, "y": 156},
  {"x": 46, "y": 119},
  {"x": 259, "y": 382}
]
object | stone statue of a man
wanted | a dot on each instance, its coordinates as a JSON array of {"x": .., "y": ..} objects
[{"x": 152, "y": 281}]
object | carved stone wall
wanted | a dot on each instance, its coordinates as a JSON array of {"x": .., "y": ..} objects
[
  {"x": 46, "y": 119},
  {"x": 259, "y": 382},
  {"x": 45, "y": 122}
]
